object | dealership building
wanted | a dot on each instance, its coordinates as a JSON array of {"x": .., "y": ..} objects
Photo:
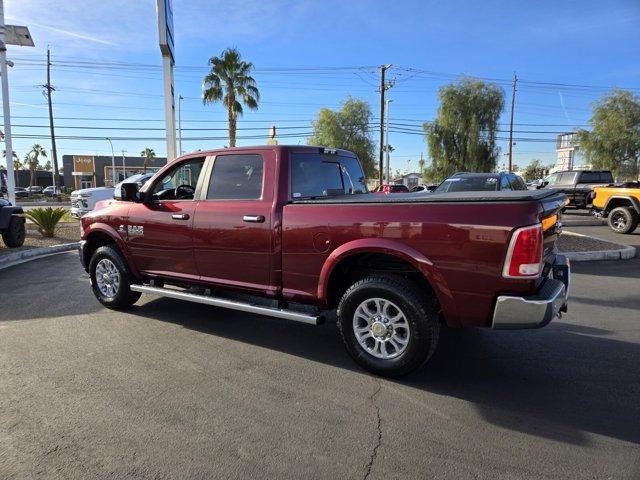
[{"x": 86, "y": 171}]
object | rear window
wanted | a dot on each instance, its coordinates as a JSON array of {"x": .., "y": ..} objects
[
  {"x": 596, "y": 177},
  {"x": 317, "y": 175},
  {"x": 470, "y": 184}
]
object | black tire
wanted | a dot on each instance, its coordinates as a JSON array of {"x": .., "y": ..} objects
[
  {"x": 421, "y": 315},
  {"x": 13, "y": 236},
  {"x": 122, "y": 296},
  {"x": 623, "y": 219}
]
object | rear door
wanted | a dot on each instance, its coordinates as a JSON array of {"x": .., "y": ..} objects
[
  {"x": 159, "y": 232},
  {"x": 232, "y": 231}
]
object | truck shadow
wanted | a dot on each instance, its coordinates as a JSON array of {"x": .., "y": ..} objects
[{"x": 563, "y": 382}]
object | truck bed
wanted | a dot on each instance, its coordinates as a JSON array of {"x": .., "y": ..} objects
[{"x": 420, "y": 197}]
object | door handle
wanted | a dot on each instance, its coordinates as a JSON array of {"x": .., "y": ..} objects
[
  {"x": 180, "y": 216},
  {"x": 253, "y": 218}
]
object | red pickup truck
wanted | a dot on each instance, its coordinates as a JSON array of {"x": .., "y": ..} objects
[{"x": 291, "y": 232}]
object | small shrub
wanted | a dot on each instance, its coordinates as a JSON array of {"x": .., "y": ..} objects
[{"x": 46, "y": 219}]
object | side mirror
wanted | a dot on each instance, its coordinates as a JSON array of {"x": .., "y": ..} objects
[{"x": 130, "y": 192}]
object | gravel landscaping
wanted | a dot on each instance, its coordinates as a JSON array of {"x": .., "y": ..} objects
[
  {"x": 578, "y": 243},
  {"x": 66, "y": 232}
]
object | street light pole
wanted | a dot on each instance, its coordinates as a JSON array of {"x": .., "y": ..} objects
[
  {"x": 11, "y": 182},
  {"x": 180, "y": 98},
  {"x": 386, "y": 133},
  {"x": 124, "y": 167},
  {"x": 113, "y": 163}
]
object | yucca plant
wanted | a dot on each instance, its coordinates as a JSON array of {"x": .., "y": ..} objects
[{"x": 46, "y": 219}]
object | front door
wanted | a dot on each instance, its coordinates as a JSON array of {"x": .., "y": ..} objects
[
  {"x": 159, "y": 232},
  {"x": 233, "y": 225}
]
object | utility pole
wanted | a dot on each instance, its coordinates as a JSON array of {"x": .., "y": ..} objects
[
  {"x": 124, "y": 167},
  {"x": 54, "y": 153},
  {"x": 383, "y": 87},
  {"x": 513, "y": 102},
  {"x": 180, "y": 98},
  {"x": 113, "y": 164},
  {"x": 386, "y": 141}
]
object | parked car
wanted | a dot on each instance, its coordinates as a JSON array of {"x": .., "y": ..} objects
[
  {"x": 50, "y": 191},
  {"x": 578, "y": 185},
  {"x": 84, "y": 201},
  {"x": 392, "y": 188},
  {"x": 12, "y": 228},
  {"x": 21, "y": 192},
  {"x": 481, "y": 182},
  {"x": 291, "y": 232},
  {"x": 34, "y": 189},
  {"x": 619, "y": 204},
  {"x": 424, "y": 188},
  {"x": 140, "y": 179}
]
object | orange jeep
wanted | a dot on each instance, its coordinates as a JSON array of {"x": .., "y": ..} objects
[{"x": 620, "y": 204}]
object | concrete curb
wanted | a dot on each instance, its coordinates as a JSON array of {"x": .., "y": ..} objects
[
  {"x": 625, "y": 252},
  {"x": 22, "y": 256}
]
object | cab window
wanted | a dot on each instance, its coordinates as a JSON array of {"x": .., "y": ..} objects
[
  {"x": 180, "y": 182},
  {"x": 504, "y": 183},
  {"x": 236, "y": 177}
]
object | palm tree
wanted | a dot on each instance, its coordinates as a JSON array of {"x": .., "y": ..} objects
[
  {"x": 17, "y": 164},
  {"x": 33, "y": 160},
  {"x": 230, "y": 81},
  {"x": 148, "y": 154}
]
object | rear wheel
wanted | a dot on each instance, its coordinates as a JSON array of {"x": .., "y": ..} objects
[
  {"x": 389, "y": 327},
  {"x": 623, "y": 219},
  {"x": 15, "y": 233},
  {"x": 110, "y": 278}
]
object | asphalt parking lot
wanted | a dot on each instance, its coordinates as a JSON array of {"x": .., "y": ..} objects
[{"x": 177, "y": 390}]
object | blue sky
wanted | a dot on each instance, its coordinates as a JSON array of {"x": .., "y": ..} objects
[{"x": 567, "y": 55}]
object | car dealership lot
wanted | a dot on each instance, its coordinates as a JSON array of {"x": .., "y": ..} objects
[{"x": 178, "y": 390}]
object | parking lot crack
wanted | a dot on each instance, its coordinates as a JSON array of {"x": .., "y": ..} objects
[{"x": 378, "y": 442}]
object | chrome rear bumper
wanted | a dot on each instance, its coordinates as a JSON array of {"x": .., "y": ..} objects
[{"x": 536, "y": 311}]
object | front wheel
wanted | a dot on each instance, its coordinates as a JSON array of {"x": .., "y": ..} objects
[
  {"x": 110, "y": 278},
  {"x": 389, "y": 327},
  {"x": 623, "y": 219}
]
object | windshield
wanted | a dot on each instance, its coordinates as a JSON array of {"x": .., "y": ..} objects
[{"x": 468, "y": 184}]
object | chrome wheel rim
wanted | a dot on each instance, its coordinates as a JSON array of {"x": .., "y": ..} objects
[
  {"x": 107, "y": 278},
  {"x": 381, "y": 328},
  {"x": 619, "y": 221}
]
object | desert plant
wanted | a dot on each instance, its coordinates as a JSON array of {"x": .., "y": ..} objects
[{"x": 46, "y": 219}]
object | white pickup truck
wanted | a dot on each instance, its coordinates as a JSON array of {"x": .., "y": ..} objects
[{"x": 84, "y": 200}]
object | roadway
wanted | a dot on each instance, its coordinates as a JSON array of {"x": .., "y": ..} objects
[{"x": 178, "y": 390}]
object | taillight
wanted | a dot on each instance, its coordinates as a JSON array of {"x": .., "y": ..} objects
[{"x": 524, "y": 256}]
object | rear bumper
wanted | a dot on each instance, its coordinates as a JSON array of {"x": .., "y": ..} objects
[{"x": 538, "y": 310}]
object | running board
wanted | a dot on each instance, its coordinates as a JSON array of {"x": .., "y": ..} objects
[{"x": 231, "y": 304}]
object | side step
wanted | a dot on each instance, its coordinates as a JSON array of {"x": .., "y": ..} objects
[{"x": 231, "y": 304}]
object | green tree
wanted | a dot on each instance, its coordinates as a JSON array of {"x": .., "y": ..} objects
[
  {"x": 347, "y": 128},
  {"x": 33, "y": 160},
  {"x": 47, "y": 166},
  {"x": 463, "y": 135},
  {"x": 534, "y": 171},
  {"x": 614, "y": 140},
  {"x": 230, "y": 82},
  {"x": 149, "y": 156}
]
